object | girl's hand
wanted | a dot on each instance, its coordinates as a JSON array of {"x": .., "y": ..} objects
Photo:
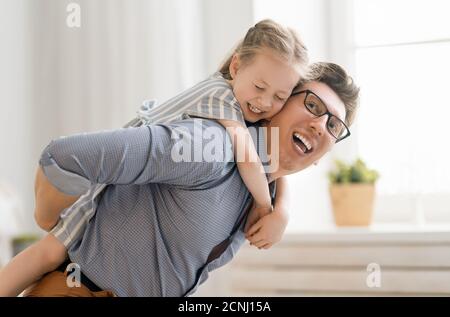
[
  {"x": 267, "y": 231},
  {"x": 256, "y": 213}
]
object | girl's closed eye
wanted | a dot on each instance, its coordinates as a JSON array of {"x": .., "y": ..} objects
[
  {"x": 282, "y": 99},
  {"x": 259, "y": 87}
]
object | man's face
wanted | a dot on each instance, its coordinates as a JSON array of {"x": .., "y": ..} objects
[{"x": 295, "y": 120}]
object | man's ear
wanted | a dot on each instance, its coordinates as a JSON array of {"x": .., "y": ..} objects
[{"x": 234, "y": 65}]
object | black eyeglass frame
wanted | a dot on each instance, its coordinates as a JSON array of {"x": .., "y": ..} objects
[{"x": 307, "y": 91}]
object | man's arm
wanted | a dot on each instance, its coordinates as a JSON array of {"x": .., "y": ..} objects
[{"x": 128, "y": 156}]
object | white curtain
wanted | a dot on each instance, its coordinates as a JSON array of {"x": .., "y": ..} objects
[{"x": 95, "y": 76}]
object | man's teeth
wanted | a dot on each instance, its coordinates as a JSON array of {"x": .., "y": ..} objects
[
  {"x": 303, "y": 139},
  {"x": 254, "y": 109}
]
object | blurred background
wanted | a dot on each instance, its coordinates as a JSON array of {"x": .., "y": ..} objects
[{"x": 76, "y": 66}]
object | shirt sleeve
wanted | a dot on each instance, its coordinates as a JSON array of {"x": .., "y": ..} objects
[
  {"x": 218, "y": 104},
  {"x": 148, "y": 154}
]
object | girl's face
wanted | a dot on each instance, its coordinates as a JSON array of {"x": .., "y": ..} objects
[{"x": 262, "y": 86}]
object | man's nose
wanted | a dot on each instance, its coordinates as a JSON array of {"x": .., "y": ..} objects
[{"x": 319, "y": 125}]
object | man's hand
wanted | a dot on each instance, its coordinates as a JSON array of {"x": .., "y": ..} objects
[{"x": 267, "y": 231}]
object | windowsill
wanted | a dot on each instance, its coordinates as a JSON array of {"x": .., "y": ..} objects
[{"x": 383, "y": 233}]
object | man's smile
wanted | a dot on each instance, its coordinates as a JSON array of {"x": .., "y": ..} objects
[{"x": 302, "y": 142}]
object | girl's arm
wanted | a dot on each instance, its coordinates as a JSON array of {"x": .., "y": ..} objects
[
  {"x": 30, "y": 265},
  {"x": 249, "y": 165},
  {"x": 282, "y": 198}
]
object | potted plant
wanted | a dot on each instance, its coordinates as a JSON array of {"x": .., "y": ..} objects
[{"x": 352, "y": 191}]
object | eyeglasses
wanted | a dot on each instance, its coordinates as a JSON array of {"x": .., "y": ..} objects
[{"x": 335, "y": 126}]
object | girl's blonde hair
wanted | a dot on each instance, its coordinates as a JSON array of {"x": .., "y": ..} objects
[{"x": 267, "y": 34}]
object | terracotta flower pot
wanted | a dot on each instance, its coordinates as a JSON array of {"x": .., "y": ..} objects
[{"x": 352, "y": 204}]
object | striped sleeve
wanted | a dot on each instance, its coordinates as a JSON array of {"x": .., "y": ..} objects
[{"x": 220, "y": 103}]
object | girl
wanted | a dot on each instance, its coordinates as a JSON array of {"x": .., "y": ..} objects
[{"x": 253, "y": 84}]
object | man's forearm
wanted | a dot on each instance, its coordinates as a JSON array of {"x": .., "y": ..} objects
[{"x": 49, "y": 201}]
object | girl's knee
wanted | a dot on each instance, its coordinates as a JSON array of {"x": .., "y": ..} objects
[{"x": 43, "y": 223}]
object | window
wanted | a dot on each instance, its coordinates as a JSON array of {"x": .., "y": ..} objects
[{"x": 402, "y": 51}]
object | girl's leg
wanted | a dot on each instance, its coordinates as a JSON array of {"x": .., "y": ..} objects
[
  {"x": 30, "y": 264},
  {"x": 49, "y": 201}
]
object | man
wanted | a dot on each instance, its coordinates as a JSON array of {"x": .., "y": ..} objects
[{"x": 163, "y": 224}]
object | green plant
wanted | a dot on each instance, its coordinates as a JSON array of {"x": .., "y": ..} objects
[
  {"x": 21, "y": 242},
  {"x": 357, "y": 172},
  {"x": 25, "y": 238}
]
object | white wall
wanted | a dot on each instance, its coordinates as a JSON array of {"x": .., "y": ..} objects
[
  {"x": 308, "y": 17},
  {"x": 225, "y": 23}
]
